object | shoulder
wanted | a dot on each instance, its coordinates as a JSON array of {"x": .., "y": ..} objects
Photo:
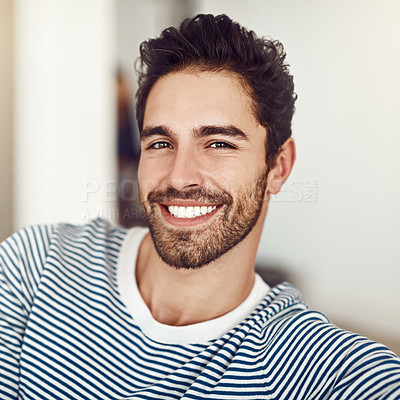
[
  {"x": 285, "y": 317},
  {"x": 283, "y": 322},
  {"x": 95, "y": 233},
  {"x": 298, "y": 342},
  {"x": 29, "y": 248},
  {"x": 26, "y": 249},
  {"x": 283, "y": 306},
  {"x": 40, "y": 237}
]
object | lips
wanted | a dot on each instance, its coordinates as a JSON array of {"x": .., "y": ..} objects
[
  {"x": 187, "y": 216},
  {"x": 189, "y": 207}
]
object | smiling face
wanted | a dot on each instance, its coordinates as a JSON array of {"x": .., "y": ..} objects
[{"x": 202, "y": 171}]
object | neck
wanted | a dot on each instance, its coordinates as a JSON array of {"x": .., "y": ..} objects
[{"x": 184, "y": 297}]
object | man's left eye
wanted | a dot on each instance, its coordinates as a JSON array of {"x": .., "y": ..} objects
[{"x": 221, "y": 145}]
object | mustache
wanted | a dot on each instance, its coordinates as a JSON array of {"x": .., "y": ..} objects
[{"x": 197, "y": 194}]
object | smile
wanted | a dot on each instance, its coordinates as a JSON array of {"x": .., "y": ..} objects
[{"x": 190, "y": 212}]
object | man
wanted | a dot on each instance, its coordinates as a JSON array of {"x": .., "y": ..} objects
[{"x": 99, "y": 312}]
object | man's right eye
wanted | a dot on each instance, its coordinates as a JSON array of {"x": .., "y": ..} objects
[{"x": 160, "y": 145}]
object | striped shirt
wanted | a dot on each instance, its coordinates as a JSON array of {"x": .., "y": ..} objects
[{"x": 68, "y": 330}]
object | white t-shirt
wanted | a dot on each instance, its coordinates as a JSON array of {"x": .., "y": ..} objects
[{"x": 201, "y": 332}]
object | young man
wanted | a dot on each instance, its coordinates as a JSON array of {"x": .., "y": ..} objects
[{"x": 99, "y": 312}]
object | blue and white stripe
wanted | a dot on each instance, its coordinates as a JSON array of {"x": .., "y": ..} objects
[{"x": 65, "y": 333}]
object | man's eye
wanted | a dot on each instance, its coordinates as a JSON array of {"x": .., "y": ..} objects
[
  {"x": 160, "y": 145},
  {"x": 221, "y": 145}
]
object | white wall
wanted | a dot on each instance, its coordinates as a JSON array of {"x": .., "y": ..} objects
[
  {"x": 6, "y": 28},
  {"x": 342, "y": 248},
  {"x": 138, "y": 20},
  {"x": 64, "y": 110}
]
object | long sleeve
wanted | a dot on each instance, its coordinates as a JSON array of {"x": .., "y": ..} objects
[
  {"x": 370, "y": 371},
  {"x": 22, "y": 257}
]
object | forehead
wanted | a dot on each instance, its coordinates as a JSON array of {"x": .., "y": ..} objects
[{"x": 183, "y": 100}]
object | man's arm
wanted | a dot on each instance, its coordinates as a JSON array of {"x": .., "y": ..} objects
[
  {"x": 310, "y": 358},
  {"x": 369, "y": 371},
  {"x": 22, "y": 257}
]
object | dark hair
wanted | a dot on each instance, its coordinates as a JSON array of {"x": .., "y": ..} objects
[{"x": 216, "y": 43}]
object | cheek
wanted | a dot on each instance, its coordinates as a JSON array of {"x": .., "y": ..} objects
[
  {"x": 243, "y": 185},
  {"x": 236, "y": 176},
  {"x": 140, "y": 176},
  {"x": 144, "y": 176},
  {"x": 150, "y": 176}
]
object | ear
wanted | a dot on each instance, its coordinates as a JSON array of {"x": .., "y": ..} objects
[{"x": 284, "y": 164}]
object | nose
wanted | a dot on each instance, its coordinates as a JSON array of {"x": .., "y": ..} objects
[{"x": 185, "y": 169}]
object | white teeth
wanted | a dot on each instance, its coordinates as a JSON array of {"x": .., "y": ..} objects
[
  {"x": 181, "y": 212},
  {"x": 190, "y": 212}
]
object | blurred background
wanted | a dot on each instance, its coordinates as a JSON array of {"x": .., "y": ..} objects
[{"x": 69, "y": 148}]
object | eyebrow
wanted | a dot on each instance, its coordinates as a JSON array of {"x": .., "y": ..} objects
[
  {"x": 156, "y": 130},
  {"x": 229, "y": 130},
  {"x": 202, "y": 131}
]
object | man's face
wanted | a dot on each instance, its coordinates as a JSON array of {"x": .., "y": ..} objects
[{"x": 202, "y": 172}]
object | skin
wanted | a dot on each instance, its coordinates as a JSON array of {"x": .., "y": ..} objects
[{"x": 182, "y": 103}]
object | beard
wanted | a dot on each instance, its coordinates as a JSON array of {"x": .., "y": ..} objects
[{"x": 195, "y": 247}]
